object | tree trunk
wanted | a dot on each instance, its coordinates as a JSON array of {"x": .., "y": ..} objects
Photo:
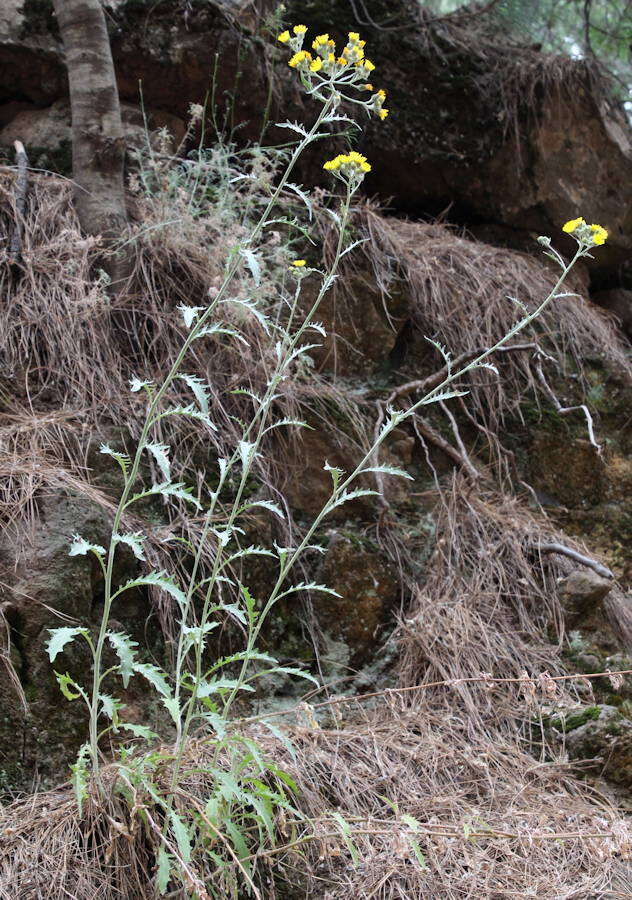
[{"x": 98, "y": 143}]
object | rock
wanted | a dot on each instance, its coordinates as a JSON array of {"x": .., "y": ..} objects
[
  {"x": 475, "y": 124},
  {"x": 582, "y": 593},
  {"x": 360, "y": 337},
  {"x": 369, "y": 593},
  {"x": 568, "y": 471},
  {"x": 308, "y": 485},
  {"x": 602, "y": 733},
  {"x": 49, "y": 129},
  {"x": 619, "y": 302},
  {"x": 38, "y": 578}
]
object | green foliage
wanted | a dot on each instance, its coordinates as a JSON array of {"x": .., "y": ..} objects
[{"x": 246, "y": 792}]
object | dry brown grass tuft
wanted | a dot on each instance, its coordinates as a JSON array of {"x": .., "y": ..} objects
[{"x": 492, "y": 822}]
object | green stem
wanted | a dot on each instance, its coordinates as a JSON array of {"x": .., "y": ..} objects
[
  {"x": 155, "y": 401},
  {"x": 397, "y": 419}
]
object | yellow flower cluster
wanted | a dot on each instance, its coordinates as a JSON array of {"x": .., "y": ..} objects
[
  {"x": 582, "y": 231},
  {"x": 299, "y": 263},
  {"x": 351, "y": 65},
  {"x": 351, "y": 163},
  {"x": 301, "y": 59}
]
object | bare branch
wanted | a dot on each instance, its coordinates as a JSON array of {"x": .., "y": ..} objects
[{"x": 577, "y": 557}]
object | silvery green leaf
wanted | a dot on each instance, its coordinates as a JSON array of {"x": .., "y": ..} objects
[
  {"x": 136, "y": 385},
  {"x": 253, "y": 264},
  {"x": 122, "y": 458},
  {"x": 442, "y": 350},
  {"x": 333, "y": 215},
  {"x": 163, "y": 871},
  {"x": 290, "y": 670},
  {"x": 412, "y": 823},
  {"x": 443, "y": 395},
  {"x": 298, "y": 423},
  {"x": 353, "y": 246},
  {"x": 173, "y": 708},
  {"x": 216, "y": 722},
  {"x": 210, "y": 330},
  {"x": 134, "y": 541},
  {"x": 300, "y": 351},
  {"x": 160, "y": 453},
  {"x": 65, "y": 682},
  {"x": 345, "y": 496},
  {"x": 251, "y": 307},
  {"x": 250, "y": 551},
  {"x": 181, "y": 833},
  {"x": 171, "y": 489},
  {"x": 80, "y": 776},
  {"x": 310, "y": 586},
  {"x": 196, "y": 634},
  {"x": 488, "y": 365},
  {"x": 81, "y": 547},
  {"x": 335, "y": 472},
  {"x": 293, "y": 126},
  {"x": 155, "y": 579},
  {"x": 389, "y": 470},
  {"x": 190, "y": 411},
  {"x": 250, "y": 655},
  {"x": 190, "y": 314},
  {"x": 59, "y": 637},
  {"x": 269, "y": 505},
  {"x": 154, "y": 676},
  {"x": 319, "y": 327},
  {"x": 217, "y": 685},
  {"x": 246, "y": 450},
  {"x": 223, "y": 467},
  {"x": 125, "y": 649},
  {"x": 234, "y": 610},
  {"x": 337, "y": 117},
  {"x": 200, "y": 390},
  {"x": 520, "y": 303},
  {"x": 304, "y": 197},
  {"x": 281, "y": 736},
  {"x": 110, "y": 707},
  {"x": 139, "y": 730}
]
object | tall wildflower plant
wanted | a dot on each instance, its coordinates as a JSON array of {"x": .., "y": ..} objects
[{"x": 248, "y": 796}]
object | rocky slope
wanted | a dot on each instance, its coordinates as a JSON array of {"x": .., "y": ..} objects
[{"x": 445, "y": 575}]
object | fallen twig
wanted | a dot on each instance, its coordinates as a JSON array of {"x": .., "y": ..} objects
[{"x": 577, "y": 557}]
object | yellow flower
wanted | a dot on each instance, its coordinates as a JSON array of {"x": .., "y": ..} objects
[
  {"x": 381, "y": 94},
  {"x": 368, "y": 87},
  {"x": 354, "y": 163},
  {"x": 319, "y": 40},
  {"x": 383, "y": 114},
  {"x": 299, "y": 263},
  {"x": 284, "y": 37},
  {"x": 354, "y": 37},
  {"x": 368, "y": 65},
  {"x": 300, "y": 29},
  {"x": 301, "y": 57},
  {"x": 331, "y": 58},
  {"x": 572, "y": 225},
  {"x": 316, "y": 65},
  {"x": 599, "y": 234},
  {"x": 342, "y": 61}
]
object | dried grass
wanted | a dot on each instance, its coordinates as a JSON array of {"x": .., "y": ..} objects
[{"x": 453, "y": 756}]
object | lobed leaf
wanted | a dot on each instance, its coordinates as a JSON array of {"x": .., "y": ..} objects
[{"x": 59, "y": 637}]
